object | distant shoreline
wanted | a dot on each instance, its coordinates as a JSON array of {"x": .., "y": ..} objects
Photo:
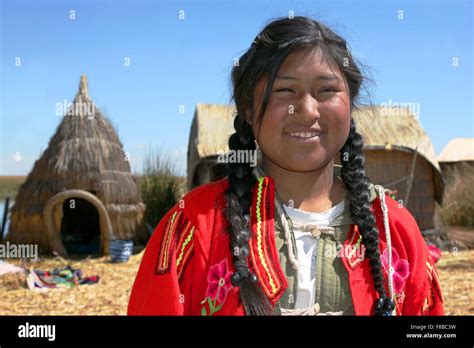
[{"x": 9, "y": 185}]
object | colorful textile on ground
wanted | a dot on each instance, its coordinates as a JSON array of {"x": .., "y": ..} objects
[{"x": 64, "y": 277}]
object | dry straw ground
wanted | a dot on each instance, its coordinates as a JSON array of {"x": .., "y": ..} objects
[{"x": 110, "y": 295}]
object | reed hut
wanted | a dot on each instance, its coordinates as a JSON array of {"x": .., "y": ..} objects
[
  {"x": 457, "y": 156},
  {"x": 399, "y": 154},
  {"x": 210, "y": 130},
  {"x": 80, "y": 192}
]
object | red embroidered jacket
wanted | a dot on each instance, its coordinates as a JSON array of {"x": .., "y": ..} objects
[{"x": 187, "y": 264}]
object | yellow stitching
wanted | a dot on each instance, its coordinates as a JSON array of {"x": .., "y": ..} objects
[
  {"x": 167, "y": 239},
  {"x": 259, "y": 235},
  {"x": 354, "y": 248},
  {"x": 430, "y": 270},
  {"x": 188, "y": 239}
]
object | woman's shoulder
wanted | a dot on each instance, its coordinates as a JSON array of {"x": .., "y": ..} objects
[
  {"x": 205, "y": 195},
  {"x": 424, "y": 295},
  {"x": 403, "y": 226},
  {"x": 199, "y": 206},
  {"x": 395, "y": 220},
  {"x": 188, "y": 223},
  {"x": 396, "y": 211}
]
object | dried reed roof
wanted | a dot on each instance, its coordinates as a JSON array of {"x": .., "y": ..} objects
[
  {"x": 458, "y": 150},
  {"x": 210, "y": 131},
  {"x": 84, "y": 153},
  {"x": 391, "y": 126},
  {"x": 398, "y": 129}
]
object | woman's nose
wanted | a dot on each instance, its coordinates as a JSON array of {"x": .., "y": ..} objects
[{"x": 306, "y": 110}]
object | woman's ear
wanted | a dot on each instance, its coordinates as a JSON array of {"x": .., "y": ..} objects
[{"x": 248, "y": 118}]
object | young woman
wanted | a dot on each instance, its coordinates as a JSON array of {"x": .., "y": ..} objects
[{"x": 296, "y": 235}]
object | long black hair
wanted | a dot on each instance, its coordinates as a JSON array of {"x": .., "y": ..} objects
[{"x": 263, "y": 59}]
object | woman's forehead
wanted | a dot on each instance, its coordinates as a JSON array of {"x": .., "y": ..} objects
[
  {"x": 301, "y": 64},
  {"x": 313, "y": 61}
]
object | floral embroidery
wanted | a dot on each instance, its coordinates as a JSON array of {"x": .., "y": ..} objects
[
  {"x": 219, "y": 285},
  {"x": 400, "y": 270}
]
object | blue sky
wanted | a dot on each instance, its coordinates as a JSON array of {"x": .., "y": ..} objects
[{"x": 186, "y": 61}]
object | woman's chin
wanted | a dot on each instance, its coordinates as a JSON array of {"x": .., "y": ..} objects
[{"x": 306, "y": 164}]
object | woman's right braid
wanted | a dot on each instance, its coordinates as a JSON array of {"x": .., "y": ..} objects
[
  {"x": 239, "y": 199},
  {"x": 357, "y": 186}
]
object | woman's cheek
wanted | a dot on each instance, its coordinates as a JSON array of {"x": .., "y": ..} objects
[
  {"x": 336, "y": 112},
  {"x": 271, "y": 132},
  {"x": 278, "y": 107},
  {"x": 275, "y": 116}
]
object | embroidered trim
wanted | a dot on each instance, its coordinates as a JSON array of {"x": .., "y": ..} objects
[
  {"x": 186, "y": 247},
  {"x": 259, "y": 234},
  {"x": 429, "y": 301},
  {"x": 183, "y": 245},
  {"x": 262, "y": 246},
  {"x": 356, "y": 245},
  {"x": 167, "y": 242},
  {"x": 354, "y": 252},
  {"x": 427, "y": 304},
  {"x": 177, "y": 235}
]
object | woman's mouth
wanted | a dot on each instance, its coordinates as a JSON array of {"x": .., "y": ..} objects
[{"x": 304, "y": 137}]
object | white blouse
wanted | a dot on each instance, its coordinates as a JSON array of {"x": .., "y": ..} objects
[{"x": 306, "y": 246}]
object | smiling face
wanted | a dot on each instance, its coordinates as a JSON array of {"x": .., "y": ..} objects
[{"x": 307, "y": 119}]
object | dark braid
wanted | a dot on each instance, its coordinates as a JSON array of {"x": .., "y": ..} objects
[
  {"x": 239, "y": 199},
  {"x": 357, "y": 187}
]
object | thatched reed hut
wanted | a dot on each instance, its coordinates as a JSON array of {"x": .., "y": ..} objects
[
  {"x": 80, "y": 192},
  {"x": 210, "y": 130},
  {"x": 399, "y": 154},
  {"x": 457, "y": 155}
]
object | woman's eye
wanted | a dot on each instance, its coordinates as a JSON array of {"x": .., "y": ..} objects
[
  {"x": 328, "y": 90},
  {"x": 284, "y": 90}
]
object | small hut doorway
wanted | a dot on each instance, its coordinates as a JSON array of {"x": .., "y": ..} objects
[
  {"x": 61, "y": 220},
  {"x": 80, "y": 227}
]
